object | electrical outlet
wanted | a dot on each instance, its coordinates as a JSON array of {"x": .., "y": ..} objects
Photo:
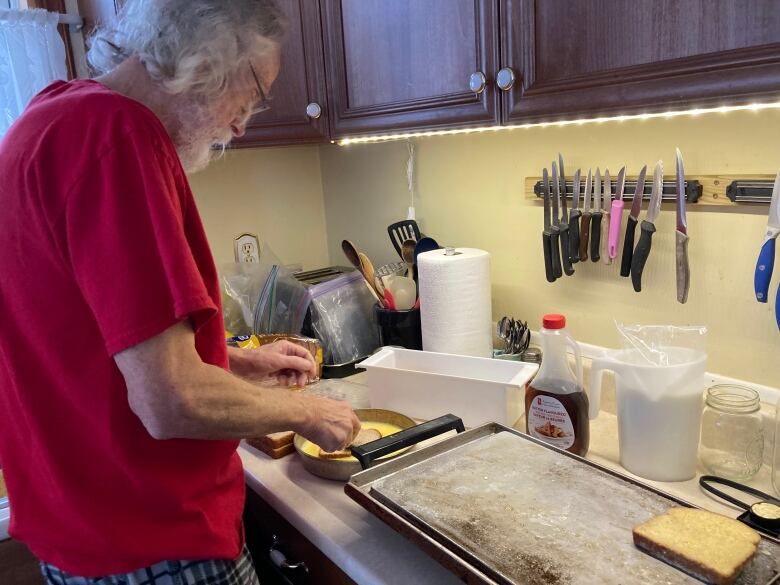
[{"x": 247, "y": 248}]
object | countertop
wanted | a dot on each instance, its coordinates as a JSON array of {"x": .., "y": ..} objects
[{"x": 368, "y": 550}]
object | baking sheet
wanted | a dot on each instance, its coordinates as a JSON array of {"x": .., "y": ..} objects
[{"x": 519, "y": 512}]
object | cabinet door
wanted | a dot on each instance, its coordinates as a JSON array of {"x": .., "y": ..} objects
[
  {"x": 267, "y": 530},
  {"x": 593, "y": 57},
  {"x": 406, "y": 64},
  {"x": 301, "y": 83}
]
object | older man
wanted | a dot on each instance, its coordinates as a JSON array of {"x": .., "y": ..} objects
[{"x": 120, "y": 417}]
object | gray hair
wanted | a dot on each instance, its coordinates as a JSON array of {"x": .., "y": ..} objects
[{"x": 194, "y": 46}]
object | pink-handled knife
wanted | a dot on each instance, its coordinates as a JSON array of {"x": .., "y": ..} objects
[{"x": 616, "y": 216}]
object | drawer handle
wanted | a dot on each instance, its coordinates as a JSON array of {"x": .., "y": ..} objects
[
  {"x": 279, "y": 559},
  {"x": 477, "y": 82}
]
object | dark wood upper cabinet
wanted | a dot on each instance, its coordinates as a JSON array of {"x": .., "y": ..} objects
[
  {"x": 299, "y": 91},
  {"x": 387, "y": 66},
  {"x": 613, "y": 57},
  {"x": 406, "y": 64}
]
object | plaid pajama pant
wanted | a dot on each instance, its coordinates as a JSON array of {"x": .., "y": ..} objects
[{"x": 211, "y": 572}]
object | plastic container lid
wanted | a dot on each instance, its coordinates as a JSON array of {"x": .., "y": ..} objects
[{"x": 554, "y": 321}]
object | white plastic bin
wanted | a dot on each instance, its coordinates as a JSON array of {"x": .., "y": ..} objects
[{"x": 425, "y": 385}]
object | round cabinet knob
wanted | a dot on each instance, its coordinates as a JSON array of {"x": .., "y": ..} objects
[
  {"x": 477, "y": 82},
  {"x": 505, "y": 78},
  {"x": 314, "y": 110}
]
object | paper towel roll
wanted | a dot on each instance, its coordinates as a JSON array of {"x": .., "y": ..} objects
[{"x": 455, "y": 306}]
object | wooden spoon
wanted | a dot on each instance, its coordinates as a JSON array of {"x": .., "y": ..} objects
[
  {"x": 407, "y": 252},
  {"x": 367, "y": 268},
  {"x": 351, "y": 253},
  {"x": 362, "y": 265}
]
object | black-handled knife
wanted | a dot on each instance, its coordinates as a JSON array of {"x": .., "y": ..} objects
[
  {"x": 574, "y": 220},
  {"x": 633, "y": 220},
  {"x": 595, "y": 236},
  {"x": 595, "y": 219},
  {"x": 642, "y": 250},
  {"x": 548, "y": 266},
  {"x": 547, "y": 233},
  {"x": 628, "y": 247},
  {"x": 563, "y": 225},
  {"x": 555, "y": 251},
  {"x": 568, "y": 269},
  {"x": 641, "y": 253}
]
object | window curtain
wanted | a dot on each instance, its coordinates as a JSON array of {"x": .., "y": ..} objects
[{"x": 32, "y": 55}]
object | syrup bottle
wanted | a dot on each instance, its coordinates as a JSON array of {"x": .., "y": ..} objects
[{"x": 556, "y": 406}]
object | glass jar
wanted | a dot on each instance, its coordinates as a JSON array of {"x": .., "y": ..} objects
[{"x": 732, "y": 436}]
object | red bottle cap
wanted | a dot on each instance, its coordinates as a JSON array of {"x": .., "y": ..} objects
[{"x": 554, "y": 321}]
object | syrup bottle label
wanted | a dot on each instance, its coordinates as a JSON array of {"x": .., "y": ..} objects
[{"x": 549, "y": 421}]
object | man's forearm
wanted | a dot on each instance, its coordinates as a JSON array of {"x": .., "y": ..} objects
[
  {"x": 217, "y": 405},
  {"x": 238, "y": 362}
]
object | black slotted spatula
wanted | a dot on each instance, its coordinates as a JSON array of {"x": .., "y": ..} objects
[{"x": 401, "y": 231}]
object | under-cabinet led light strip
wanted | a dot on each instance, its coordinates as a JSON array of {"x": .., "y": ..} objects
[{"x": 579, "y": 122}]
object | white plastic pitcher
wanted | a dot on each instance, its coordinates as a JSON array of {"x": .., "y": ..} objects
[{"x": 658, "y": 410}]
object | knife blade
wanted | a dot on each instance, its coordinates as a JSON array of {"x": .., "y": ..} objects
[
  {"x": 616, "y": 215},
  {"x": 642, "y": 250},
  {"x": 555, "y": 251},
  {"x": 574, "y": 220},
  {"x": 546, "y": 233},
  {"x": 633, "y": 219},
  {"x": 568, "y": 270},
  {"x": 683, "y": 266},
  {"x": 606, "y": 206},
  {"x": 585, "y": 223},
  {"x": 766, "y": 258},
  {"x": 595, "y": 219}
]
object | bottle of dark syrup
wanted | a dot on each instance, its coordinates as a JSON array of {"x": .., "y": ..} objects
[{"x": 556, "y": 406}]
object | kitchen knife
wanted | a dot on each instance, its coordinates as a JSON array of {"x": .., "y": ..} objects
[
  {"x": 546, "y": 234},
  {"x": 616, "y": 215},
  {"x": 573, "y": 258},
  {"x": 683, "y": 267},
  {"x": 585, "y": 223},
  {"x": 606, "y": 206},
  {"x": 642, "y": 250},
  {"x": 595, "y": 219},
  {"x": 555, "y": 231},
  {"x": 633, "y": 219},
  {"x": 574, "y": 220},
  {"x": 766, "y": 258},
  {"x": 563, "y": 225}
]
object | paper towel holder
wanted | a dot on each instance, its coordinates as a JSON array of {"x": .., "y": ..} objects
[{"x": 451, "y": 251}]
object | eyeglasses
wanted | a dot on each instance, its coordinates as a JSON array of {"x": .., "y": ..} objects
[{"x": 262, "y": 104}]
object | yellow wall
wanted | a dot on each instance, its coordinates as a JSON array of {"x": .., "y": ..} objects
[
  {"x": 469, "y": 193},
  {"x": 273, "y": 192}
]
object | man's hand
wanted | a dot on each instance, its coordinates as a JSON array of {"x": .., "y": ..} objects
[
  {"x": 289, "y": 363},
  {"x": 331, "y": 424}
]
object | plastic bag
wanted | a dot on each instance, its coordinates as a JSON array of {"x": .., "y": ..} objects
[
  {"x": 342, "y": 317},
  {"x": 656, "y": 344},
  {"x": 262, "y": 297}
]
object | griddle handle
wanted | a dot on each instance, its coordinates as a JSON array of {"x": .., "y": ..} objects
[{"x": 372, "y": 451}]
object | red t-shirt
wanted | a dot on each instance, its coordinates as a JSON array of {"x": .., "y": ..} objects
[{"x": 101, "y": 248}]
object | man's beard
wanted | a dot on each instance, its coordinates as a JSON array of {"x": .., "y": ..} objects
[{"x": 199, "y": 141}]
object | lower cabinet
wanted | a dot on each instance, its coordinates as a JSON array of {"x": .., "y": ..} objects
[
  {"x": 281, "y": 554},
  {"x": 18, "y": 566}
]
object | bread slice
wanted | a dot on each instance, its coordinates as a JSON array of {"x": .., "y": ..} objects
[
  {"x": 708, "y": 546},
  {"x": 266, "y": 445},
  {"x": 364, "y": 436},
  {"x": 276, "y": 440}
]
